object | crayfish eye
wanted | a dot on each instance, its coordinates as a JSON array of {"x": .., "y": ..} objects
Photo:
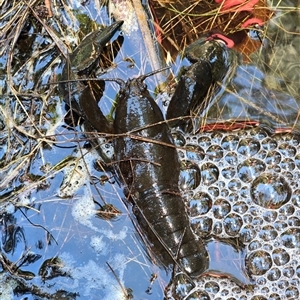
[{"x": 142, "y": 86}]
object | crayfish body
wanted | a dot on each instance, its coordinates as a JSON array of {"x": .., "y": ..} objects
[{"x": 149, "y": 164}]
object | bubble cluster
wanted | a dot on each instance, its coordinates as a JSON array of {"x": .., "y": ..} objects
[
  {"x": 245, "y": 186},
  {"x": 76, "y": 174}
]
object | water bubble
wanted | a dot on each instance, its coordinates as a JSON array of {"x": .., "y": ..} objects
[
  {"x": 282, "y": 284},
  {"x": 288, "y": 175},
  {"x": 198, "y": 295},
  {"x": 298, "y": 271},
  {"x": 258, "y": 297},
  {"x": 294, "y": 222},
  {"x": 248, "y": 147},
  {"x": 287, "y": 150},
  {"x": 287, "y": 210},
  {"x": 259, "y": 133},
  {"x": 257, "y": 221},
  {"x": 218, "y": 228},
  {"x": 217, "y": 137},
  {"x": 280, "y": 257},
  {"x": 247, "y": 234},
  {"x": 236, "y": 290},
  {"x": 232, "y": 224},
  {"x": 265, "y": 290},
  {"x": 228, "y": 172},
  {"x": 221, "y": 208},
  {"x": 244, "y": 192},
  {"x": 230, "y": 142},
  {"x": 233, "y": 197},
  {"x": 202, "y": 226},
  {"x": 274, "y": 274},
  {"x": 292, "y": 293},
  {"x": 214, "y": 191},
  {"x": 273, "y": 158},
  {"x": 212, "y": 287},
  {"x": 259, "y": 262},
  {"x": 200, "y": 204},
  {"x": 240, "y": 207},
  {"x": 224, "y": 292},
  {"x": 194, "y": 153},
  {"x": 179, "y": 139},
  {"x": 189, "y": 175},
  {"x": 247, "y": 218},
  {"x": 267, "y": 247},
  {"x": 221, "y": 184},
  {"x": 291, "y": 238},
  {"x": 261, "y": 154},
  {"x": 254, "y": 245},
  {"x": 261, "y": 281},
  {"x": 274, "y": 297},
  {"x": 234, "y": 185},
  {"x": 224, "y": 193},
  {"x": 231, "y": 158},
  {"x": 288, "y": 272},
  {"x": 270, "y": 216},
  {"x": 250, "y": 169},
  {"x": 269, "y": 144},
  {"x": 295, "y": 282},
  {"x": 297, "y": 161},
  {"x": 181, "y": 286},
  {"x": 188, "y": 138},
  {"x": 215, "y": 153},
  {"x": 276, "y": 168},
  {"x": 204, "y": 141},
  {"x": 287, "y": 164},
  {"x": 270, "y": 191},
  {"x": 295, "y": 262},
  {"x": 296, "y": 198},
  {"x": 279, "y": 225},
  {"x": 209, "y": 173},
  {"x": 254, "y": 211},
  {"x": 268, "y": 233},
  {"x": 181, "y": 154}
]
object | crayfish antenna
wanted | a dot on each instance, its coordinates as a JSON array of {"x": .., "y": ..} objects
[
  {"x": 119, "y": 81},
  {"x": 143, "y": 77}
]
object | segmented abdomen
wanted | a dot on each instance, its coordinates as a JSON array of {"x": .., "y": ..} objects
[{"x": 149, "y": 165}]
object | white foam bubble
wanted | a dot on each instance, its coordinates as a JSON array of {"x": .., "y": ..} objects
[
  {"x": 121, "y": 235},
  {"x": 99, "y": 245},
  {"x": 7, "y": 287},
  {"x": 98, "y": 278},
  {"x": 84, "y": 209},
  {"x": 123, "y": 10},
  {"x": 76, "y": 173},
  {"x": 94, "y": 278}
]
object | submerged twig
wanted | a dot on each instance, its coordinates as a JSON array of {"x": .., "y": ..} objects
[{"x": 142, "y": 19}]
